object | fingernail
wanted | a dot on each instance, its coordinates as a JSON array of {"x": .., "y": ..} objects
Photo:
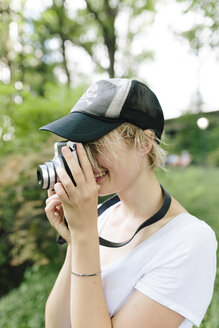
[
  {"x": 65, "y": 149},
  {"x": 80, "y": 146}
]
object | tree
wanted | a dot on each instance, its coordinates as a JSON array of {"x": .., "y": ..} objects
[
  {"x": 202, "y": 34},
  {"x": 205, "y": 28},
  {"x": 47, "y": 45},
  {"x": 93, "y": 28},
  {"x": 8, "y": 57}
]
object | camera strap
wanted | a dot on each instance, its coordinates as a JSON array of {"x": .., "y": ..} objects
[
  {"x": 115, "y": 199},
  {"x": 154, "y": 218}
]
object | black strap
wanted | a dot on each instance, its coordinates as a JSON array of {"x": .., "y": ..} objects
[
  {"x": 157, "y": 216},
  {"x": 115, "y": 199}
]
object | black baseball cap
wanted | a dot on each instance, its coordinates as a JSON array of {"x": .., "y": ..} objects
[{"x": 106, "y": 105}]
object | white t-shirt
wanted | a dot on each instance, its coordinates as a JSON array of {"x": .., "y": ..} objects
[{"x": 175, "y": 267}]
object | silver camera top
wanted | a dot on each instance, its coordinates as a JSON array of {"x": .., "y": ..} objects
[{"x": 71, "y": 144}]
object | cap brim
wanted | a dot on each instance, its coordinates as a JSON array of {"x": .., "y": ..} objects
[{"x": 81, "y": 127}]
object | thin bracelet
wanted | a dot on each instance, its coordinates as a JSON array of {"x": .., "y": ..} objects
[{"x": 86, "y": 275}]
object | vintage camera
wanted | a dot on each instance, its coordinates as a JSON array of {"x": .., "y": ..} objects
[{"x": 46, "y": 173}]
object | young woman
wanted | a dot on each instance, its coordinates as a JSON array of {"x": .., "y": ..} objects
[{"x": 161, "y": 278}]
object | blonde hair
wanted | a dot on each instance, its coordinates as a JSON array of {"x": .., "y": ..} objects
[{"x": 134, "y": 138}]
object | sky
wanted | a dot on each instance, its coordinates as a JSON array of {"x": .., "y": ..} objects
[{"x": 173, "y": 75}]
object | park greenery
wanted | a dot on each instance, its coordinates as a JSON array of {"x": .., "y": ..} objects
[
  {"x": 183, "y": 133},
  {"x": 39, "y": 83}
]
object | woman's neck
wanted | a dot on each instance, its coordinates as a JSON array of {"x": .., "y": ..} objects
[{"x": 143, "y": 198}]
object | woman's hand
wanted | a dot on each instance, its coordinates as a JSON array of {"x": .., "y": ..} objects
[
  {"x": 80, "y": 201},
  {"x": 55, "y": 214}
]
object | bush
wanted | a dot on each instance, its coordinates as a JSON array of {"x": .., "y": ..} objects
[
  {"x": 24, "y": 306},
  {"x": 21, "y": 122},
  {"x": 26, "y": 236},
  {"x": 213, "y": 158}
]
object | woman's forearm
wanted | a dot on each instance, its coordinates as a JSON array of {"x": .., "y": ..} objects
[
  {"x": 57, "y": 311},
  {"x": 88, "y": 305}
]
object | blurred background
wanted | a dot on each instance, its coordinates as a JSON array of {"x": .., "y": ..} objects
[{"x": 50, "y": 52}]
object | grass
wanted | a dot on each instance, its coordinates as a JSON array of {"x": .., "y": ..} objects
[{"x": 195, "y": 188}]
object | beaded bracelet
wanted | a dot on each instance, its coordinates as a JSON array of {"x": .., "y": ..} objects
[{"x": 86, "y": 275}]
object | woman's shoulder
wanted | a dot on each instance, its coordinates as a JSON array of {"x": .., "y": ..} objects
[
  {"x": 189, "y": 222},
  {"x": 193, "y": 233},
  {"x": 193, "y": 224}
]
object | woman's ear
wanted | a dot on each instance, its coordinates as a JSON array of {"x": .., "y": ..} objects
[{"x": 148, "y": 145}]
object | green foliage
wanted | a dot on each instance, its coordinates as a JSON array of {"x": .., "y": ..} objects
[
  {"x": 189, "y": 137},
  {"x": 24, "y": 307},
  {"x": 214, "y": 157},
  {"x": 205, "y": 30},
  {"x": 194, "y": 187},
  {"x": 26, "y": 236},
  {"x": 43, "y": 43},
  {"x": 22, "y": 121}
]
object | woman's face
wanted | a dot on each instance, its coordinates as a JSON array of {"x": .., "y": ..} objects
[{"x": 118, "y": 173}]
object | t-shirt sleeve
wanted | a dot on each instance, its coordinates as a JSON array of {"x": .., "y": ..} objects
[{"x": 183, "y": 278}]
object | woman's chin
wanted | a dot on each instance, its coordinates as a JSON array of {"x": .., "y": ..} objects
[{"x": 102, "y": 192}]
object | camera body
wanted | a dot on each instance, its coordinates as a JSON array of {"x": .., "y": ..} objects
[{"x": 46, "y": 173}]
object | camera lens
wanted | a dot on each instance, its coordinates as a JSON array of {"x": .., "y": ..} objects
[
  {"x": 43, "y": 176},
  {"x": 40, "y": 177},
  {"x": 46, "y": 175}
]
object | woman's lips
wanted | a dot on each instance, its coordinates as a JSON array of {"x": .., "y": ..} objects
[{"x": 99, "y": 175}]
